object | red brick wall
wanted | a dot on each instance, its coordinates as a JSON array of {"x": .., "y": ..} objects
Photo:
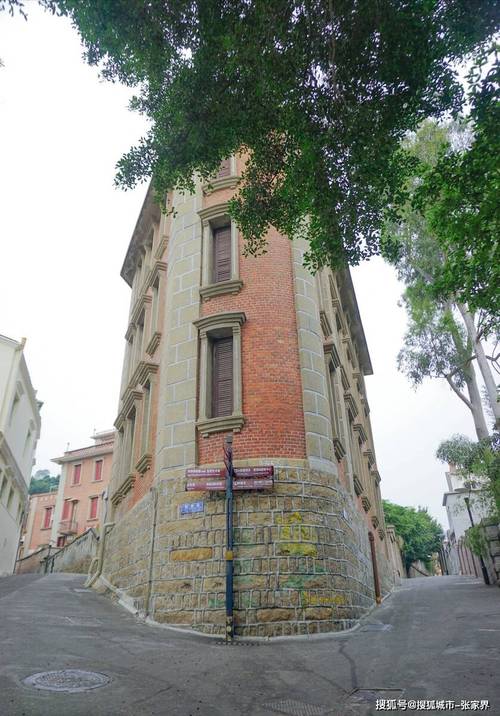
[{"x": 272, "y": 390}]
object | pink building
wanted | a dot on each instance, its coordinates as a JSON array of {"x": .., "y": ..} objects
[
  {"x": 38, "y": 531},
  {"x": 85, "y": 475}
]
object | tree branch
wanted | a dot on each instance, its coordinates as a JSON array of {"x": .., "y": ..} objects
[{"x": 458, "y": 392}]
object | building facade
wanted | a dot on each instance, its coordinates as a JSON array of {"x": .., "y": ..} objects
[
  {"x": 39, "y": 522},
  {"x": 458, "y": 557},
  {"x": 81, "y": 497},
  {"x": 220, "y": 343},
  {"x": 19, "y": 432}
]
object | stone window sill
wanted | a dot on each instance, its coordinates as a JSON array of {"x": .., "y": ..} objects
[
  {"x": 153, "y": 343},
  {"x": 229, "y": 182},
  {"x": 218, "y": 289},
  {"x": 358, "y": 487},
  {"x": 144, "y": 463},
  {"x": 125, "y": 487},
  {"x": 219, "y": 425},
  {"x": 339, "y": 449}
]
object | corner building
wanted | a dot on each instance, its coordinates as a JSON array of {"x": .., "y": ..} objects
[{"x": 217, "y": 343}]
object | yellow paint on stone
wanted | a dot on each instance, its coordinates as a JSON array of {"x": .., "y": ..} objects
[
  {"x": 191, "y": 555},
  {"x": 302, "y": 549}
]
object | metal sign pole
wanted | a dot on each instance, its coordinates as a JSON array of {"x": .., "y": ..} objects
[{"x": 228, "y": 461}]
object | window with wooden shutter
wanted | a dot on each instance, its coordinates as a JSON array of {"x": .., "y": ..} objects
[
  {"x": 224, "y": 169},
  {"x": 222, "y": 377},
  {"x": 47, "y": 518},
  {"x": 222, "y": 254},
  {"x": 77, "y": 474},
  {"x": 66, "y": 510},
  {"x": 93, "y": 508},
  {"x": 98, "y": 471}
]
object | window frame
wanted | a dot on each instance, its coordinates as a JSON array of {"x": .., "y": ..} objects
[
  {"x": 50, "y": 512},
  {"x": 210, "y": 328},
  {"x": 212, "y": 218},
  {"x": 73, "y": 481},
  {"x": 101, "y": 460},
  {"x": 93, "y": 499}
]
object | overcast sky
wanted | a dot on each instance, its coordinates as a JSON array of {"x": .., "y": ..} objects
[{"x": 64, "y": 230}]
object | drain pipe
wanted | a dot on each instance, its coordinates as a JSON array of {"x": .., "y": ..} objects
[{"x": 154, "y": 491}]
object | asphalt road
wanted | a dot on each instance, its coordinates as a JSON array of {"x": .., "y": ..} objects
[{"x": 432, "y": 639}]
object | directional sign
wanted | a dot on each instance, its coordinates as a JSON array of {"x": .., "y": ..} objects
[
  {"x": 211, "y": 485},
  {"x": 262, "y": 483},
  {"x": 259, "y": 471},
  {"x": 253, "y": 484},
  {"x": 193, "y": 473}
]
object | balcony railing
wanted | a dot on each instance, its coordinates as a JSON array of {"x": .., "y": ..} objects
[{"x": 68, "y": 527}]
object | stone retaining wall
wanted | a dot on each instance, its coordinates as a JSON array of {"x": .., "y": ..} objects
[
  {"x": 77, "y": 555},
  {"x": 302, "y": 557}
]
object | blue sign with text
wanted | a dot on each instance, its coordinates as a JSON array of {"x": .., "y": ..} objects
[{"x": 187, "y": 508}]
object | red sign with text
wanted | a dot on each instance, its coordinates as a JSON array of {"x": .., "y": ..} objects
[{"x": 261, "y": 483}]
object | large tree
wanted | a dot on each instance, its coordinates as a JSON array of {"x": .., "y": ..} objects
[
  {"x": 478, "y": 464},
  {"x": 317, "y": 93},
  {"x": 421, "y": 533},
  {"x": 435, "y": 346},
  {"x": 458, "y": 196},
  {"x": 445, "y": 337}
]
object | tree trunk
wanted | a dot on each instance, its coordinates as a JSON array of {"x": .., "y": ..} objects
[
  {"x": 475, "y": 406},
  {"x": 482, "y": 361}
]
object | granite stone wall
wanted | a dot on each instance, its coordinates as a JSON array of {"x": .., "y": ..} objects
[{"x": 302, "y": 557}]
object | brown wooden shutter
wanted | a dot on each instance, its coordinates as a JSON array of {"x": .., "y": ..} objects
[
  {"x": 224, "y": 169},
  {"x": 222, "y": 385},
  {"x": 222, "y": 254}
]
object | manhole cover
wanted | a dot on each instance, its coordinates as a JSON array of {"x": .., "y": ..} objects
[
  {"x": 376, "y": 627},
  {"x": 296, "y": 708},
  {"x": 69, "y": 680}
]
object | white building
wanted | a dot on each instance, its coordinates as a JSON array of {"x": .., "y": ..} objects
[
  {"x": 19, "y": 433},
  {"x": 456, "y": 508},
  {"x": 458, "y": 556}
]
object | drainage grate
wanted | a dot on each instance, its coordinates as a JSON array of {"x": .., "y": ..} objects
[
  {"x": 69, "y": 680},
  {"x": 297, "y": 708},
  {"x": 370, "y": 696},
  {"x": 376, "y": 627}
]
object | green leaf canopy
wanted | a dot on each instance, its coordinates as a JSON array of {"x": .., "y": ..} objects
[{"x": 319, "y": 94}]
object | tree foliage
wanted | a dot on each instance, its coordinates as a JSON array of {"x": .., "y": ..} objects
[
  {"x": 45, "y": 484},
  {"x": 459, "y": 198},
  {"x": 477, "y": 463},
  {"x": 317, "y": 93},
  {"x": 422, "y": 534},
  {"x": 444, "y": 337}
]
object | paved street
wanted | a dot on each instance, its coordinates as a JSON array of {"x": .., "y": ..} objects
[{"x": 434, "y": 638}]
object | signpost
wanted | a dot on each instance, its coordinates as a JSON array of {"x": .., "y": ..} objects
[
  {"x": 263, "y": 483},
  {"x": 228, "y": 461},
  {"x": 227, "y": 479}
]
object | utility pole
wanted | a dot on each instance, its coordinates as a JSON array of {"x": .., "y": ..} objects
[
  {"x": 228, "y": 461},
  {"x": 483, "y": 566}
]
